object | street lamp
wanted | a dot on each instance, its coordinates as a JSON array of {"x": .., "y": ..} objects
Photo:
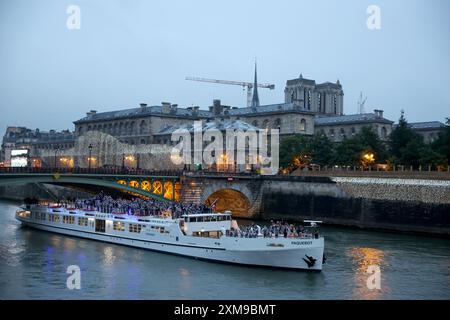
[{"x": 89, "y": 159}]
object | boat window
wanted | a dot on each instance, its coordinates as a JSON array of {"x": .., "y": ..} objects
[
  {"x": 134, "y": 227},
  {"x": 119, "y": 226},
  {"x": 83, "y": 221},
  {"x": 207, "y": 234},
  {"x": 53, "y": 218},
  {"x": 68, "y": 219}
]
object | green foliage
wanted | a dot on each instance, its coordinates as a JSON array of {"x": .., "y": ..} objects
[
  {"x": 442, "y": 145},
  {"x": 322, "y": 150},
  {"x": 408, "y": 148},
  {"x": 292, "y": 147},
  {"x": 405, "y": 147}
]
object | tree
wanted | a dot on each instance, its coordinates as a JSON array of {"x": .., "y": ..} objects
[
  {"x": 298, "y": 151},
  {"x": 442, "y": 144},
  {"x": 365, "y": 148},
  {"x": 294, "y": 150},
  {"x": 407, "y": 146},
  {"x": 348, "y": 152},
  {"x": 322, "y": 150}
]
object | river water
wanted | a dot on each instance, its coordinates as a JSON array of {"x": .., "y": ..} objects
[{"x": 33, "y": 265}]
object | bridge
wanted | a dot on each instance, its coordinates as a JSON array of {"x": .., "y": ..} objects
[
  {"x": 162, "y": 185},
  {"x": 385, "y": 199}
]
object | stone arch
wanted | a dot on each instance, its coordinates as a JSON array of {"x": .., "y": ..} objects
[
  {"x": 237, "y": 198},
  {"x": 229, "y": 199}
]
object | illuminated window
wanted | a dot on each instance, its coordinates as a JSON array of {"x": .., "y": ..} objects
[
  {"x": 68, "y": 219},
  {"x": 119, "y": 226},
  {"x": 82, "y": 221},
  {"x": 53, "y": 217}
]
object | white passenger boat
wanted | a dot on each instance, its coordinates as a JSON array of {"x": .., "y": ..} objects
[{"x": 205, "y": 236}]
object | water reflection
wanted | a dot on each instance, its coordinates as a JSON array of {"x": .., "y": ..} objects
[
  {"x": 35, "y": 263},
  {"x": 108, "y": 256},
  {"x": 364, "y": 258}
]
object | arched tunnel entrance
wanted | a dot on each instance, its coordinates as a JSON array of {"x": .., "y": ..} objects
[{"x": 230, "y": 199}]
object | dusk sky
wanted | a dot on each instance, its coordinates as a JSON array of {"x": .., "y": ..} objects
[{"x": 128, "y": 52}]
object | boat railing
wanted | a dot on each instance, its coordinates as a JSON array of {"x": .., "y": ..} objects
[{"x": 241, "y": 234}]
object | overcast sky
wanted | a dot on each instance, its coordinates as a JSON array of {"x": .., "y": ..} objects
[{"x": 127, "y": 52}]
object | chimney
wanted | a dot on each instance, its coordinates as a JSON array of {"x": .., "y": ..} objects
[
  {"x": 173, "y": 108},
  {"x": 217, "y": 107},
  {"x": 378, "y": 113},
  {"x": 196, "y": 108},
  {"x": 90, "y": 113},
  {"x": 165, "y": 107},
  {"x": 143, "y": 105}
]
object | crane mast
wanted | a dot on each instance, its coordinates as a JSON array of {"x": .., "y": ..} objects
[{"x": 361, "y": 103}]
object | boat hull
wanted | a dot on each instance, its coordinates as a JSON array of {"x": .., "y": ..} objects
[{"x": 296, "y": 258}]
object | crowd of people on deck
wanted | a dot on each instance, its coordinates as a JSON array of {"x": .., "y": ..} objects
[
  {"x": 158, "y": 208},
  {"x": 137, "y": 206},
  {"x": 275, "y": 229}
]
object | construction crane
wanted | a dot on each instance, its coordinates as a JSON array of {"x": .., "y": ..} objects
[
  {"x": 361, "y": 103},
  {"x": 244, "y": 85}
]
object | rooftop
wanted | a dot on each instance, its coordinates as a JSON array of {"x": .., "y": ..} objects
[
  {"x": 351, "y": 118},
  {"x": 189, "y": 112},
  {"x": 142, "y": 111},
  {"x": 427, "y": 125},
  {"x": 220, "y": 125}
]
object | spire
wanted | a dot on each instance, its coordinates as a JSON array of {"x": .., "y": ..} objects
[{"x": 255, "y": 99}]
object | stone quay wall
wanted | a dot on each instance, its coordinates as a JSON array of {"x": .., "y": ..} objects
[{"x": 411, "y": 205}]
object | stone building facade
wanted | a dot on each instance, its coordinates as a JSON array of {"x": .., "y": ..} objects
[
  {"x": 347, "y": 126},
  {"x": 428, "y": 130},
  {"x": 35, "y": 141},
  {"x": 308, "y": 108}
]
